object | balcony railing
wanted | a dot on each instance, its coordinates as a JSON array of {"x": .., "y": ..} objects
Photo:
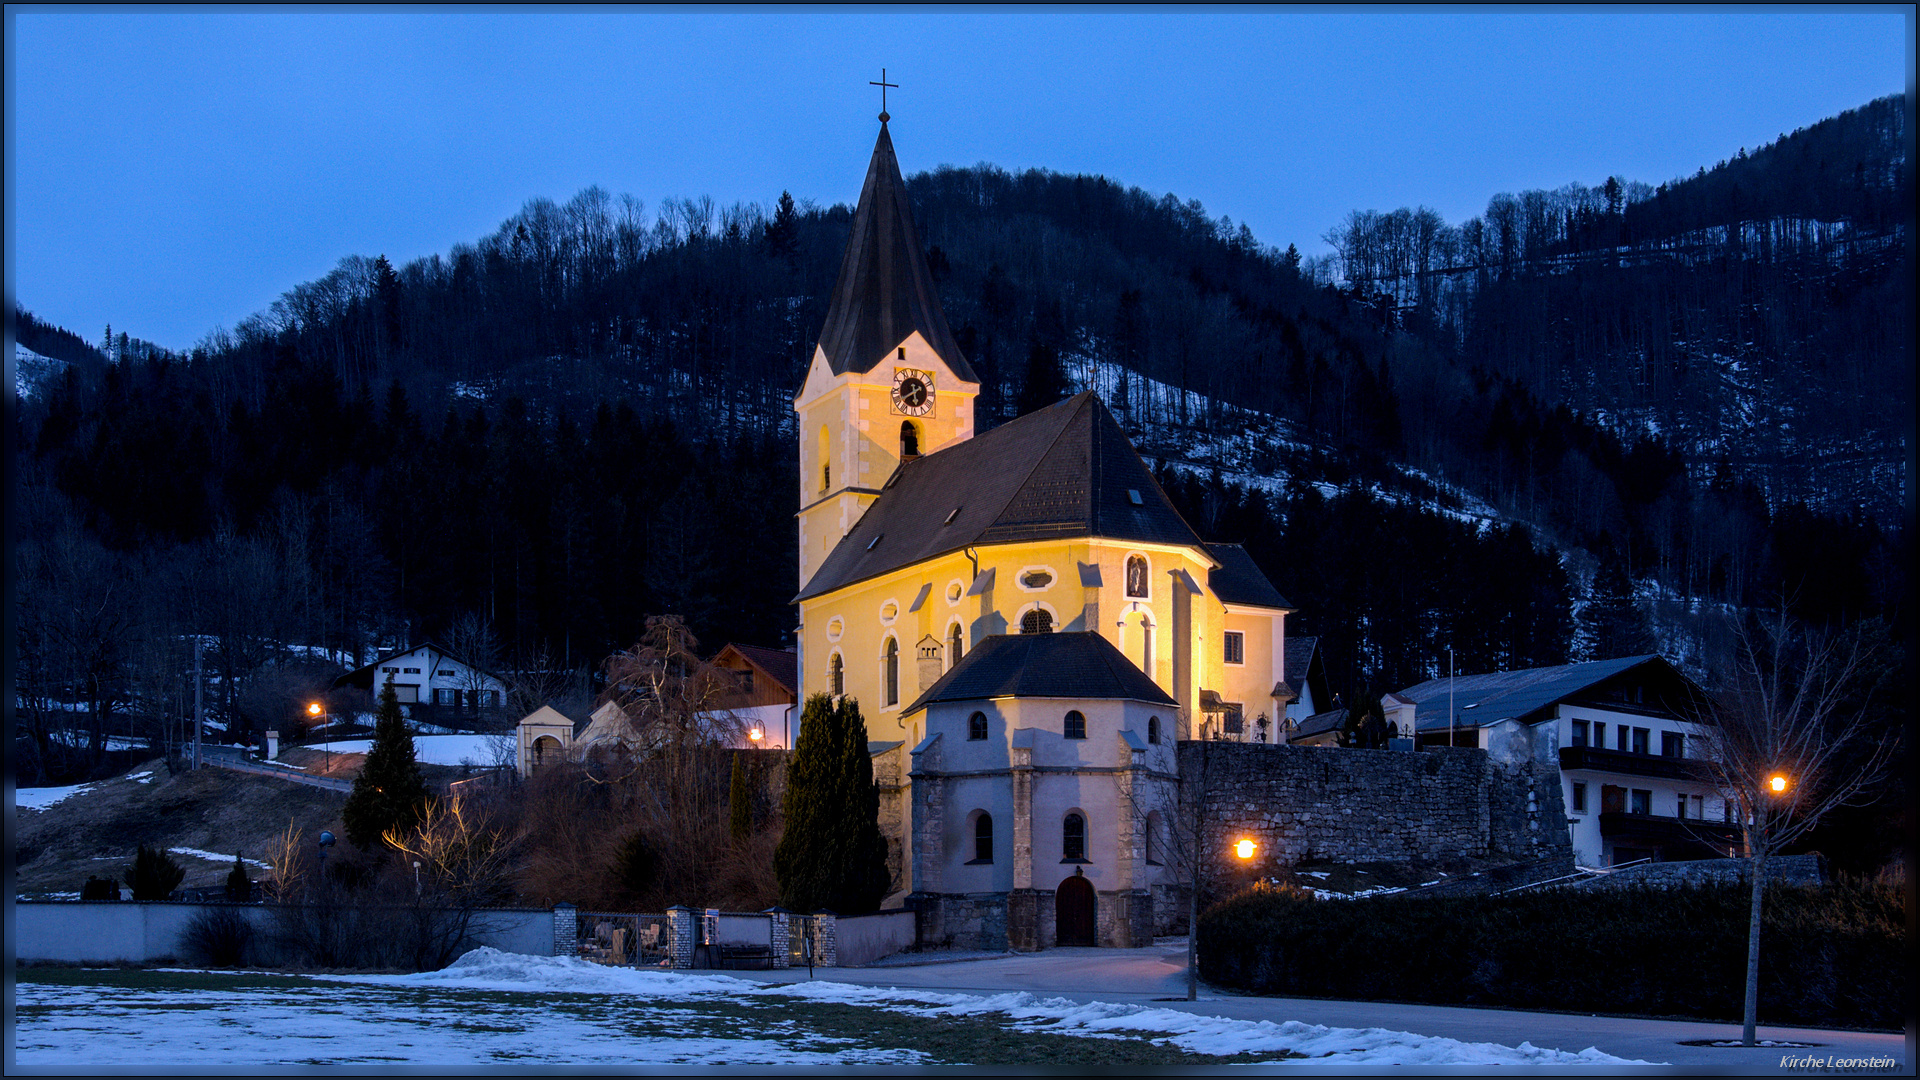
[
  {"x": 1652, "y": 828},
  {"x": 1619, "y": 761}
]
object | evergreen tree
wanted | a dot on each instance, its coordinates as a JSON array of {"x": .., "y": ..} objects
[
  {"x": 738, "y": 805},
  {"x": 154, "y": 875},
  {"x": 239, "y": 886},
  {"x": 1045, "y": 382},
  {"x": 1620, "y": 627},
  {"x": 831, "y": 854},
  {"x": 389, "y": 791},
  {"x": 782, "y": 234}
]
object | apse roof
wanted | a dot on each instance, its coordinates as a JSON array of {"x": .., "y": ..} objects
[
  {"x": 1063, "y": 471},
  {"x": 885, "y": 291},
  {"x": 1238, "y": 580},
  {"x": 1066, "y": 665}
]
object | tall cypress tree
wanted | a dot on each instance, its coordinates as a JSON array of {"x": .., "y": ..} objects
[
  {"x": 832, "y": 853},
  {"x": 389, "y": 791}
]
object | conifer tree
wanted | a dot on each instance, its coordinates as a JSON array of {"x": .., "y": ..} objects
[
  {"x": 832, "y": 854},
  {"x": 239, "y": 886},
  {"x": 153, "y": 875},
  {"x": 389, "y": 791},
  {"x": 738, "y": 806}
]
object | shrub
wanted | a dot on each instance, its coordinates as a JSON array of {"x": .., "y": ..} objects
[
  {"x": 154, "y": 875},
  {"x": 1829, "y": 955},
  {"x": 220, "y": 937}
]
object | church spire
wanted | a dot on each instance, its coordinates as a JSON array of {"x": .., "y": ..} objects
[{"x": 884, "y": 292}]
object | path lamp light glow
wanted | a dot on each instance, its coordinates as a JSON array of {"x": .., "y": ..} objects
[
  {"x": 1777, "y": 784},
  {"x": 757, "y": 733},
  {"x": 315, "y": 709},
  {"x": 1244, "y": 849}
]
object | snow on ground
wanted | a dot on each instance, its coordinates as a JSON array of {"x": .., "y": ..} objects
[
  {"x": 431, "y": 749},
  {"x": 490, "y": 969},
  {"x": 217, "y": 857},
  {"x": 39, "y": 798},
  {"x": 502, "y": 1009}
]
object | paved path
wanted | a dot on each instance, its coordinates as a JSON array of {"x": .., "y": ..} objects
[{"x": 1147, "y": 976}]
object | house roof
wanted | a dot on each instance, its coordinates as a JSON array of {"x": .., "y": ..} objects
[
  {"x": 1239, "y": 581},
  {"x": 363, "y": 677},
  {"x": 1065, "y": 665},
  {"x": 1525, "y": 695},
  {"x": 885, "y": 291},
  {"x": 780, "y": 665},
  {"x": 1063, "y": 471},
  {"x": 1318, "y": 724},
  {"x": 1304, "y": 671}
]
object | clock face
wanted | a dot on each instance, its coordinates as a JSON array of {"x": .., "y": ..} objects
[{"x": 912, "y": 392}]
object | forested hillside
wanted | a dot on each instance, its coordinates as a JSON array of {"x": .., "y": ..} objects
[{"x": 1588, "y": 418}]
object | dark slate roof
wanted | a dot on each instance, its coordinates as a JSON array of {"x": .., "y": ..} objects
[
  {"x": 1238, "y": 579},
  {"x": 1523, "y": 695},
  {"x": 884, "y": 291},
  {"x": 1077, "y": 665},
  {"x": 1062, "y": 471},
  {"x": 1318, "y": 724},
  {"x": 1305, "y": 671},
  {"x": 780, "y": 665}
]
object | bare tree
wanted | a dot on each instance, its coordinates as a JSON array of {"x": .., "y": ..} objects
[{"x": 1790, "y": 735}]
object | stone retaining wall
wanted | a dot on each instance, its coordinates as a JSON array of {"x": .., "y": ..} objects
[
  {"x": 1788, "y": 869},
  {"x": 1298, "y": 803}
]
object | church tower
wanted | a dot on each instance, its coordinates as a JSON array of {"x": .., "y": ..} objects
[{"x": 887, "y": 382}]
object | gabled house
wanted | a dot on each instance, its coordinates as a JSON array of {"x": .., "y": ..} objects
[
  {"x": 764, "y": 696},
  {"x": 433, "y": 684},
  {"x": 1314, "y": 714},
  {"x": 1631, "y": 782},
  {"x": 547, "y": 736}
]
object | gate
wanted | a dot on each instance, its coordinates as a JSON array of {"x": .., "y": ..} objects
[
  {"x": 621, "y": 938},
  {"x": 803, "y": 941}
]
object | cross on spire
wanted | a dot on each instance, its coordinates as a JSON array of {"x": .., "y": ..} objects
[{"x": 883, "y": 84}]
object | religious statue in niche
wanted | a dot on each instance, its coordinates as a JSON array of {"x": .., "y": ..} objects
[{"x": 1137, "y": 576}]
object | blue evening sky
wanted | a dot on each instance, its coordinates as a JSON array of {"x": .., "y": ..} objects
[{"x": 170, "y": 172}]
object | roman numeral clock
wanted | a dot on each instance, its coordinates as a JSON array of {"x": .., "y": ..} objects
[{"x": 912, "y": 392}]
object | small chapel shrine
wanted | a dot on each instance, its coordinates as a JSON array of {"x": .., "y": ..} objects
[{"x": 1028, "y": 624}]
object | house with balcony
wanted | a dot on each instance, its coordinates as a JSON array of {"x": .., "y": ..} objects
[{"x": 1632, "y": 784}]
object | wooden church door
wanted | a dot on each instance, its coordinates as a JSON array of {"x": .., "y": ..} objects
[{"x": 1073, "y": 912}]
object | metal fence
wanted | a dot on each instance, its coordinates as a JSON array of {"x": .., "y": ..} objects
[
  {"x": 803, "y": 936},
  {"x": 624, "y": 938}
]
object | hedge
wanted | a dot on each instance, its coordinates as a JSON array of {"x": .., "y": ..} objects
[{"x": 1829, "y": 956}]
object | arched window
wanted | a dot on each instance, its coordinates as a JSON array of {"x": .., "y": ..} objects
[
  {"x": 954, "y": 644},
  {"x": 977, "y": 726},
  {"x": 1153, "y": 730},
  {"x": 891, "y": 675},
  {"x": 909, "y": 440},
  {"x": 1037, "y": 621},
  {"x": 836, "y": 676},
  {"x": 983, "y": 836},
  {"x": 1137, "y": 576},
  {"x": 1073, "y": 839},
  {"x": 826, "y": 459},
  {"x": 1154, "y": 842},
  {"x": 1076, "y": 726}
]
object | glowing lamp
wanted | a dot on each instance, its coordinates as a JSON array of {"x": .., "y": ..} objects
[
  {"x": 756, "y": 734},
  {"x": 313, "y": 708},
  {"x": 1777, "y": 783},
  {"x": 1244, "y": 849}
]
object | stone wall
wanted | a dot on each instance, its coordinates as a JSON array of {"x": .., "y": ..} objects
[{"x": 1298, "y": 803}]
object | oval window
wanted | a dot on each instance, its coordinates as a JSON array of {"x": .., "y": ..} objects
[{"x": 1036, "y": 579}]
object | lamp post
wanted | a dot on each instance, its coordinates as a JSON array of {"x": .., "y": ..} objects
[{"x": 315, "y": 709}]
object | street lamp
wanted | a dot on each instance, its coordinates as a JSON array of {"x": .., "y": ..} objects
[
  {"x": 315, "y": 709},
  {"x": 1244, "y": 849},
  {"x": 1777, "y": 783},
  {"x": 756, "y": 733}
]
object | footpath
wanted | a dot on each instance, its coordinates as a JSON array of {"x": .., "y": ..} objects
[{"x": 1153, "y": 976}]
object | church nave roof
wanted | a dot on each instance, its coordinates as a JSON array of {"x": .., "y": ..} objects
[{"x": 1056, "y": 473}]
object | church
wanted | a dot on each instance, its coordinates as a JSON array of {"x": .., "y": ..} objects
[{"x": 1028, "y": 624}]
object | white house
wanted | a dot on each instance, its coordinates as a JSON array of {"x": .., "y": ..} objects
[
  {"x": 428, "y": 675},
  {"x": 1631, "y": 782}
]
